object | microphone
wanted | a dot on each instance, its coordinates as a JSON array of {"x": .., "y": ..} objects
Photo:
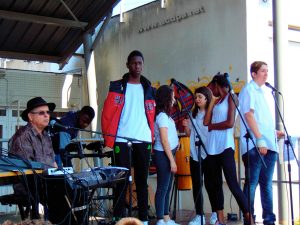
[
  {"x": 229, "y": 83},
  {"x": 175, "y": 82},
  {"x": 272, "y": 88},
  {"x": 54, "y": 123}
]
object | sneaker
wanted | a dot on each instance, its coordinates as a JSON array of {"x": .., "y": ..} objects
[
  {"x": 171, "y": 222},
  {"x": 160, "y": 222},
  {"x": 197, "y": 220},
  {"x": 218, "y": 223},
  {"x": 213, "y": 218},
  {"x": 145, "y": 222}
]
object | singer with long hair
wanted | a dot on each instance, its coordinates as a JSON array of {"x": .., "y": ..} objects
[
  {"x": 220, "y": 118},
  {"x": 202, "y": 98},
  {"x": 165, "y": 146}
]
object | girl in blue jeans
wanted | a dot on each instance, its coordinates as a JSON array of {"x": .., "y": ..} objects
[{"x": 165, "y": 146}]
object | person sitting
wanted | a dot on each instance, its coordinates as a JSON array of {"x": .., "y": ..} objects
[
  {"x": 32, "y": 141},
  {"x": 78, "y": 120}
]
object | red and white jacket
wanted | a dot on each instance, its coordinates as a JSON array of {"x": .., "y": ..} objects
[{"x": 114, "y": 104}]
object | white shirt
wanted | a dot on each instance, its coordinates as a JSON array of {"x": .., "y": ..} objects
[
  {"x": 203, "y": 132},
  {"x": 163, "y": 120},
  {"x": 219, "y": 140},
  {"x": 253, "y": 97},
  {"x": 133, "y": 122}
]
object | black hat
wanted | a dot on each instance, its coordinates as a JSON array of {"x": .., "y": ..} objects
[{"x": 34, "y": 103}]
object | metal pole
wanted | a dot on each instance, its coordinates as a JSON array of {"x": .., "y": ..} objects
[{"x": 280, "y": 41}]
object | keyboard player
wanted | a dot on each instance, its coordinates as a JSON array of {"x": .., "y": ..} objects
[{"x": 32, "y": 142}]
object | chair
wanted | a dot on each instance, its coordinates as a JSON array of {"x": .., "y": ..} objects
[{"x": 20, "y": 200}]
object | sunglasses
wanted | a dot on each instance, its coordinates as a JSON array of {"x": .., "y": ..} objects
[{"x": 41, "y": 113}]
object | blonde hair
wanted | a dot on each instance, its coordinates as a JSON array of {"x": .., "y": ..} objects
[{"x": 129, "y": 221}]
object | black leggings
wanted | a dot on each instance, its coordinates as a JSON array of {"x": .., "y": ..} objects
[{"x": 214, "y": 181}]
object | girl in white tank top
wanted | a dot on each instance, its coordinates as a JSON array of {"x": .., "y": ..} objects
[{"x": 220, "y": 118}]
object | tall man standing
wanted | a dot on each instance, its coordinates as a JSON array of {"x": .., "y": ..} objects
[
  {"x": 129, "y": 111},
  {"x": 255, "y": 110}
]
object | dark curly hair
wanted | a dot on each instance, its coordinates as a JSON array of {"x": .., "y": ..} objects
[
  {"x": 163, "y": 99},
  {"x": 207, "y": 93},
  {"x": 220, "y": 80}
]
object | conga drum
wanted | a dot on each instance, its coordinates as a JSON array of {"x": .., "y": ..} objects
[{"x": 184, "y": 180}]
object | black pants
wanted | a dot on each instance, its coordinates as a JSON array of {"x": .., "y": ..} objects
[
  {"x": 215, "y": 164},
  {"x": 140, "y": 162},
  {"x": 195, "y": 174}
]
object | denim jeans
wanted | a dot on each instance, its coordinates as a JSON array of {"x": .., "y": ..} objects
[
  {"x": 262, "y": 176},
  {"x": 164, "y": 183}
]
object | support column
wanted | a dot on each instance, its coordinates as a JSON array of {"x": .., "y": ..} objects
[
  {"x": 280, "y": 43},
  {"x": 91, "y": 81}
]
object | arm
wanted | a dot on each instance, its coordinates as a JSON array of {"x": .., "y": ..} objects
[
  {"x": 163, "y": 132},
  {"x": 250, "y": 119},
  {"x": 64, "y": 140},
  {"x": 185, "y": 124},
  {"x": 229, "y": 122},
  {"x": 208, "y": 114},
  {"x": 22, "y": 146}
]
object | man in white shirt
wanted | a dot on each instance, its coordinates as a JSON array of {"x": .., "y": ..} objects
[{"x": 258, "y": 118}]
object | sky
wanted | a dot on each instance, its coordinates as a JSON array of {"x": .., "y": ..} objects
[{"x": 130, "y": 4}]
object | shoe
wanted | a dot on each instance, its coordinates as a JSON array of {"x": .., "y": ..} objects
[
  {"x": 213, "y": 218},
  {"x": 145, "y": 222},
  {"x": 160, "y": 222},
  {"x": 197, "y": 220},
  {"x": 171, "y": 222},
  {"x": 218, "y": 223}
]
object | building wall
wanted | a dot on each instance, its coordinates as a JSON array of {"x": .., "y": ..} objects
[{"x": 187, "y": 47}]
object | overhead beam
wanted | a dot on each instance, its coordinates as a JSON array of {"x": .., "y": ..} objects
[
  {"x": 30, "y": 57},
  {"x": 41, "y": 19}
]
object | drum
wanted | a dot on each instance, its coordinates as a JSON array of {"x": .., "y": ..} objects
[{"x": 184, "y": 180}]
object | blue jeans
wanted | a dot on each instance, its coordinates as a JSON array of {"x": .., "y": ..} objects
[
  {"x": 262, "y": 176},
  {"x": 164, "y": 183}
]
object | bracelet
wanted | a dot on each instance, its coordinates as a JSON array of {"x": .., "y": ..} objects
[{"x": 261, "y": 143}]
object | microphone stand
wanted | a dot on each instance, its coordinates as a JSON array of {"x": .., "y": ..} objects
[
  {"x": 247, "y": 136},
  {"x": 129, "y": 145},
  {"x": 199, "y": 145},
  {"x": 288, "y": 144}
]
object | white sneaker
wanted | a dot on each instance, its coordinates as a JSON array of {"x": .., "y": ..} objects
[
  {"x": 171, "y": 222},
  {"x": 213, "y": 218},
  {"x": 197, "y": 220},
  {"x": 160, "y": 222},
  {"x": 145, "y": 222}
]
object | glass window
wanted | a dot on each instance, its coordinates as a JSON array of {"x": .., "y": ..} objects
[
  {"x": 2, "y": 112},
  {"x": 15, "y": 113}
]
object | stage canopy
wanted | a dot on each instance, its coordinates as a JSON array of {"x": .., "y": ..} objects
[{"x": 48, "y": 30}]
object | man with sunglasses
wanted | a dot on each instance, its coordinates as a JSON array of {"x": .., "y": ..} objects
[{"x": 32, "y": 142}]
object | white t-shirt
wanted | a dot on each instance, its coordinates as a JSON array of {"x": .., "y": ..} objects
[
  {"x": 253, "y": 97},
  {"x": 133, "y": 122},
  {"x": 203, "y": 132},
  {"x": 163, "y": 120}
]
